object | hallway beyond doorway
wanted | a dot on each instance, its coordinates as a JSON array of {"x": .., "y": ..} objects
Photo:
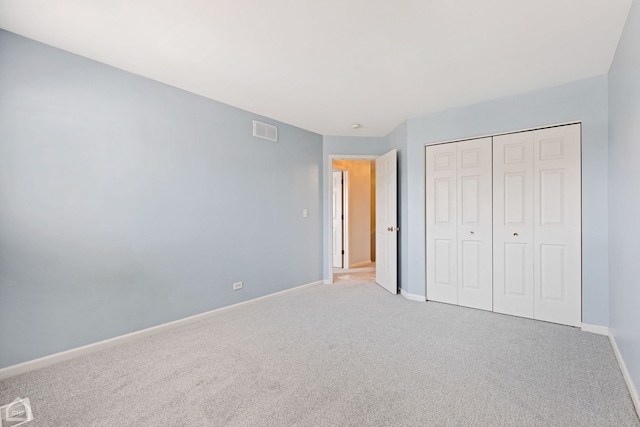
[{"x": 366, "y": 273}]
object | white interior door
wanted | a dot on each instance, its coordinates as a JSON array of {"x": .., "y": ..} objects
[
  {"x": 557, "y": 225},
  {"x": 338, "y": 217},
  {"x": 513, "y": 224},
  {"x": 386, "y": 222},
  {"x": 442, "y": 237},
  {"x": 474, "y": 223}
]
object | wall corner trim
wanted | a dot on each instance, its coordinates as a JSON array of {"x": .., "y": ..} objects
[
  {"x": 633, "y": 391},
  {"x": 595, "y": 329},
  {"x": 412, "y": 297},
  {"x": 42, "y": 362}
]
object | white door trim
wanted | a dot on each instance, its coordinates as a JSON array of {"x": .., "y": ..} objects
[
  {"x": 346, "y": 261},
  {"x": 554, "y": 125},
  {"x": 337, "y": 224},
  {"x": 329, "y": 182}
]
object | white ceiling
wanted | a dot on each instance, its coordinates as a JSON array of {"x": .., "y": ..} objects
[{"x": 325, "y": 64}]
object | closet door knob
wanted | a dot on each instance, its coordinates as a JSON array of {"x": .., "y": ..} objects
[
  {"x": 472, "y": 233},
  {"x": 515, "y": 234}
]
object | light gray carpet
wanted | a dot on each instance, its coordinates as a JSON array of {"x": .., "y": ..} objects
[{"x": 333, "y": 355}]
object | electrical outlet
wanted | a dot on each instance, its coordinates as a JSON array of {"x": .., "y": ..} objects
[
  {"x": 237, "y": 285},
  {"x": 305, "y": 213}
]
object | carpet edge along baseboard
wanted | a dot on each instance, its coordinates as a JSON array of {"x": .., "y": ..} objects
[{"x": 52, "y": 359}]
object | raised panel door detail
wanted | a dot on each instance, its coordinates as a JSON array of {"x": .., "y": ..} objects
[
  {"x": 442, "y": 201},
  {"x": 515, "y": 153},
  {"x": 390, "y": 246},
  {"x": 390, "y": 166},
  {"x": 552, "y": 269},
  {"x": 470, "y": 199},
  {"x": 552, "y": 149},
  {"x": 442, "y": 265},
  {"x": 470, "y": 158},
  {"x": 514, "y": 198},
  {"x": 382, "y": 214},
  {"x": 470, "y": 262},
  {"x": 515, "y": 269},
  {"x": 551, "y": 198},
  {"x": 444, "y": 161},
  {"x": 390, "y": 211}
]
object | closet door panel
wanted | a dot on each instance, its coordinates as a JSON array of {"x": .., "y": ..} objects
[
  {"x": 513, "y": 290},
  {"x": 557, "y": 225},
  {"x": 474, "y": 223},
  {"x": 441, "y": 206}
]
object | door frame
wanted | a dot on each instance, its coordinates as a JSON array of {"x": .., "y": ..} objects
[
  {"x": 342, "y": 207},
  {"x": 345, "y": 223},
  {"x": 328, "y": 209}
]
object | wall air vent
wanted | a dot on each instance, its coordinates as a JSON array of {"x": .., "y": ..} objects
[{"x": 264, "y": 130}]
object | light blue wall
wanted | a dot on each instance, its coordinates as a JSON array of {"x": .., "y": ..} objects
[
  {"x": 342, "y": 145},
  {"x": 624, "y": 193},
  {"x": 584, "y": 100},
  {"x": 126, "y": 203}
]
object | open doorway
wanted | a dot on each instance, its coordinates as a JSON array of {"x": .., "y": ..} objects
[
  {"x": 353, "y": 230},
  {"x": 385, "y": 218}
]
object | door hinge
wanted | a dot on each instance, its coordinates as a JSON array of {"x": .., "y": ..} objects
[
  {"x": 343, "y": 252},
  {"x": 341, "y": 216}
]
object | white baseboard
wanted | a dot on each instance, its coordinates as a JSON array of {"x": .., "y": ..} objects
[
  {"x": 633, "y": 391},
  {"x": 327, "y": 282},
  {"x": 412, "y": 297},
  {"x": 595, "y": 329},
  {"x": 32, "y": 365},
  {"x": 360, "y": 264}
]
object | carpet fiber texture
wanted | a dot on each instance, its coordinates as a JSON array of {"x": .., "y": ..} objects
[{"x": 339, "y": 355}]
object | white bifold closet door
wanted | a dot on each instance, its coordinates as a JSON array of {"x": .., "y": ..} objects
[
  {"x": 537, "y": 224},
  {"x": 513, "y": 224},
  {"x": 442, "y": 230},
  {"x": 459, "y": 236}
]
